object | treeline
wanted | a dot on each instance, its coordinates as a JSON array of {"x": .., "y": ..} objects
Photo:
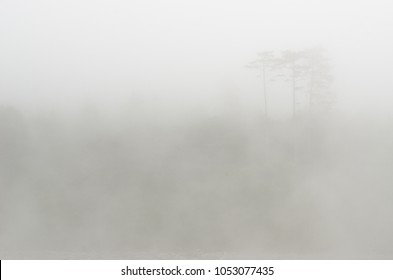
[
  {"x": 272, "y": 188},
  {"x": 138, "y": 186}
]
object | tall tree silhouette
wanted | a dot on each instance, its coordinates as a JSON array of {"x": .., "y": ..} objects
[
  {"x": 291, "y": 60},
  {"x": 319, "y": 74},
  {"x": 308, "y": 70},
  {"x": 265, "y": 62}
]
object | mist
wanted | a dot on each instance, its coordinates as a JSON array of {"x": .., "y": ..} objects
[{"x": 138, "y": 130}]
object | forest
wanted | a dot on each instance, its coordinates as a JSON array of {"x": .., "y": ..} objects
[{"x": 309, "y": 187}]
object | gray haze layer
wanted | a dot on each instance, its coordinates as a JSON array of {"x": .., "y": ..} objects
[{"x": 133, "y": 129}]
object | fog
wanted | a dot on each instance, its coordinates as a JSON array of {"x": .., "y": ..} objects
[{"x": 147, "y": 129}]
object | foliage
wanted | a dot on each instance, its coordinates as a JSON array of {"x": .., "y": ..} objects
[{"x": 308, "y": 70}]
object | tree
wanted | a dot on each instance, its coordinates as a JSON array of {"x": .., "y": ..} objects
[
  {"x": 307, "y": 69},
  {"x": 266, "y": 61},
  {"x": 292, "y": 60},
  {"x": 320, "y": 77}
]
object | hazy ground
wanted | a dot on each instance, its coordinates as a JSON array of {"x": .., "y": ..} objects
[{"x": 222, "y": 187}]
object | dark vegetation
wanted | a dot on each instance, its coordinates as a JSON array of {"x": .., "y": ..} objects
[{"x": 310, "y": 187}]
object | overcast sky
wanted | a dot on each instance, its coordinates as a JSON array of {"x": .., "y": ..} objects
[{"x": 66, "y": 51}]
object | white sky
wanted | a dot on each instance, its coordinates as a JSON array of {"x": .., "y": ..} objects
[{"x": 60, "y": 51}]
